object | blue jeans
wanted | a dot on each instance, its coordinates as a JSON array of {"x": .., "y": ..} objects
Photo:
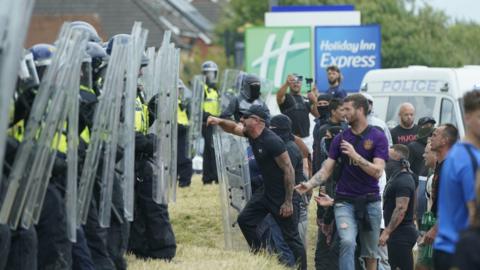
[{"x": 348, "y": 228}]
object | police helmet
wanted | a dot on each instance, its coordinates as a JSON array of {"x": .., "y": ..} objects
[
  {"x": 251, "y": 87},
  {"x": 92, "y": 32},
  {"x": 122, "y": 37},
  {"x": 210, "y": 70},
  {"x": 42, "y": 54}
]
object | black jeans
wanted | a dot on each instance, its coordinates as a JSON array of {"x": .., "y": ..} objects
[
  {"x": 54, "y": 248},
  {"x": 5, "y": 236},
  {"x": 442, "y": 260},
  {"x": 209, "y": 162},
  {"x": 184, "y": 164},
  {"x": 23, "y": 250},
  {"x": 254, "y": 213},
  {"x": 151, "y": 233},
  {"x": 400, "y": 245},
  {"x": 326, "y": 256}
]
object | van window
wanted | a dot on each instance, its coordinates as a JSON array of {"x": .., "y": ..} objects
[
  {"x": 447, "y": 112},
  {"x": 423, "y": 107}
]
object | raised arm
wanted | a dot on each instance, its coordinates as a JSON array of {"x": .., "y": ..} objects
[
  {"x": 283, "y": 90},
  {"x": 283, "y": 161},
  {"x": 227, "y": 125}
]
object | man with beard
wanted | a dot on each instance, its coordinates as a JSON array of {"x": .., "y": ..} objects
[
  {"x": 400, "y": 233},
  {"x": 406, "y": 131},
  {"x": 297, "y": 107},
  {"x": 278, "y": 176},
  {"x": 363, "y": 151},
  {"x": 334, "y": 79}
]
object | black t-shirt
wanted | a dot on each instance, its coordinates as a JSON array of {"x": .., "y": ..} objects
[
  {"x": 400, "y": 185},
  {"x": 436, "y": 186},
  {"x": 297, "y": 108},
  {"x": 265, "y": 148},
  {"x": 404, "y": 136},
  {"x": 297, "y": 161},
  {"x": 416, "y": 160}
]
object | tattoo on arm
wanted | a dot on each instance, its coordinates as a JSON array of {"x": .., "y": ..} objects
[
  {"x": 401, "y": 205},
  {"x": 231, "y": 127},
  {"x": 285, "y": 164},
  {"x": 374, "y": 169},
  {"x": 324, "y": 173}
]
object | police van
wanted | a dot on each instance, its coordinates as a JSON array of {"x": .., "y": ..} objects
[{"x": 435, "y": 92}]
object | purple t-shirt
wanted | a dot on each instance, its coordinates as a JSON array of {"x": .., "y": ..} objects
[{"x": 355, "y": 182}]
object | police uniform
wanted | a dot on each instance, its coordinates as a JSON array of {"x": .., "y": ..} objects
[
  {"x": 184, "y": 164},
  {"x": 211, "y": 106},
  {"x": 151, "y": 234}
]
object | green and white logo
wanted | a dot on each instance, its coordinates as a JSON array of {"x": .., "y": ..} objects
[{"x": 275, "y": 52}]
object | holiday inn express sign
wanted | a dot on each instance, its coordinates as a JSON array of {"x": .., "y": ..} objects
[{"x": 275, "y": 52}]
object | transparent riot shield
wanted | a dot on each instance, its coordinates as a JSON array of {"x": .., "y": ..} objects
[
  {"x": 234, "y": 180},
  {"x": 104, "y": 135},
  {"x": 148, "y": 73},
  {"x": 196, "y": 114},
  {"x": 135, "y": 51},
  {"x": 231, "y": 85},
  {"x": 14, "y": 22},
  {"x": 115, "y": 83},
  {"x": 166, "y": 81},
  {"x": 35, "y": 157}
]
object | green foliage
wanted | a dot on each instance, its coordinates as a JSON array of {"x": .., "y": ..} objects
[{"x": 410, "y": 36}]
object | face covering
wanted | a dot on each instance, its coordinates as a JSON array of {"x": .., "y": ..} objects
[
  {"x": 392, "y": 167},
  {"x": 323, "y": 110}
]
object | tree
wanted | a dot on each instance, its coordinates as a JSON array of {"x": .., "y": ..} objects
[{"x": 411, "y": 35}]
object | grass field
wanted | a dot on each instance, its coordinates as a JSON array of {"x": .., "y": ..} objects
[{"x": 196, "y": 220}]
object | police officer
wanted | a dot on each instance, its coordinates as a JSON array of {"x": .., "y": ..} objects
[
  {"x": 211, "y": 106},
  {"x": 18, "y": 248},
  {"x": 184, "y": 164},
  {"x": 151, "y": 234}
]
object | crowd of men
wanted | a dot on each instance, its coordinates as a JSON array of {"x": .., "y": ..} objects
[
  {"x": 388, "y": 199},
  {"x": 381, "y": 192}
]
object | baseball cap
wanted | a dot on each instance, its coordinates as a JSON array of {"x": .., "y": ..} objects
[
  {"x": 324, "y": 97},
  {"x": 425, "y": 120},
  {"x": 367, "y": 96},
  {"x": 281, "y": 121},
  {"x": 260, "y": 111}
]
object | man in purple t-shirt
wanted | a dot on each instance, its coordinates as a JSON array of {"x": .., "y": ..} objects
[{"x": 361, "y": 151}]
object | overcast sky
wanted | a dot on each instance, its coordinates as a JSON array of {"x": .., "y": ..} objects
[{"x": 460, "y": 9}]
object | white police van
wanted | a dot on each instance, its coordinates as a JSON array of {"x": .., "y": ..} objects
[{"x": 435, "y": 92}]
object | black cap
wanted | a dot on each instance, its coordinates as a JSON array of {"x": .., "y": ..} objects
[
  {"x": 325, "y": 97},
  {"x": 425, "y": 120},
  {"x": 281, "y": 121},
  {"x": 260, "y": 111}
]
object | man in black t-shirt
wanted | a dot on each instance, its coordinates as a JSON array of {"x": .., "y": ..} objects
[
  {"x": 406, "y": 131},
  {"x": 295, "y": 106},
  {"x": 400, "y": 233},
  {"x": 278, "y": 178}
]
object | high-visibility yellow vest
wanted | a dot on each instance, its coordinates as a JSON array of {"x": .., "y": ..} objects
[
  {"x": 87, "y": 89},
  {"x": 211, "y": 103},
  {"x": 182, "y": 117},
  {"x": 85, "y": 135},
  {"x": 17, "y": 131},
  {"x": 141, "y": 116}
]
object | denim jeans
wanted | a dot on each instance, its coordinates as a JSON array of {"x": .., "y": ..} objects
[{"x": 348, "y": 228}]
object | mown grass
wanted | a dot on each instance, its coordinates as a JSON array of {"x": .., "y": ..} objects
[{"x": 196, "y": 220}]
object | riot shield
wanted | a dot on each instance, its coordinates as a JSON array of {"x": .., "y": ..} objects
[
  {"x": 14, "y": 22},
  {"x": 115, "y": 83},
  {"x": 104, "y": 136},
  {"x": 135, "y": 50},
  {"x": 166, "y": 82},
  {"x": 42, "y": 134},
  {"x": 234, "y": 180},
  {"x": 231, "y": 86},
  {"x": 148, "y": 73},
  {"x": 196, "y": 114}
]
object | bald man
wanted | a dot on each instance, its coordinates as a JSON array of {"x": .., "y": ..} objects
[{"x": 406, "y": 131}]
